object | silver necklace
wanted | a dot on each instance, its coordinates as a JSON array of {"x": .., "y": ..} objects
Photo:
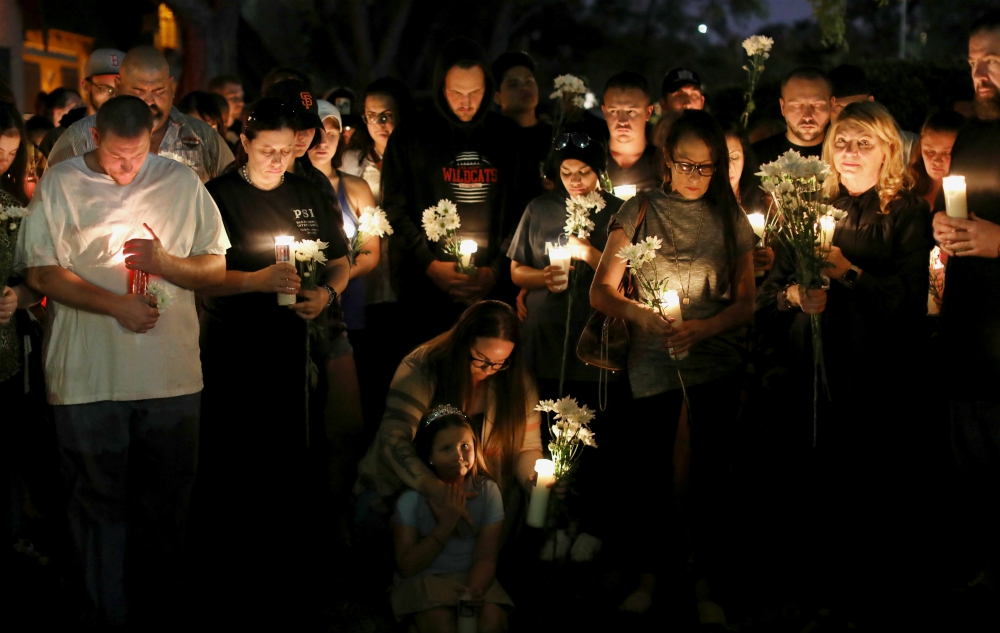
[
  {"x": 246, "y": 176},
  {"x": 685, "y": 292}
]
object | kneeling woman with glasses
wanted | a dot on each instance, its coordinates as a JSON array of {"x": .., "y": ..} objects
[
  {"x": 707, "y": 257},
  {"x": 476, "y": 365}
]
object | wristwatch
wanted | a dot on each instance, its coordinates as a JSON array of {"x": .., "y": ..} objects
[
  {"x": 333, "y": 295},
  {"x": 850, "y": 276}
]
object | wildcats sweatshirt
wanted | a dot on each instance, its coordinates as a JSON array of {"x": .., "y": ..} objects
[{"x": 475, "y": 164}]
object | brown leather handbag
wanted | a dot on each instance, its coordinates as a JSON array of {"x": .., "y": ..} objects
[{"x": 604, "y": 341}]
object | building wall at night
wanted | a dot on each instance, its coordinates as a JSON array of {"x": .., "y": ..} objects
[{"x": 11, "y": 45}]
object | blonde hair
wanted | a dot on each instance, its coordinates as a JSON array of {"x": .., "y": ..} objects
[{"x": 876, "y": 120}]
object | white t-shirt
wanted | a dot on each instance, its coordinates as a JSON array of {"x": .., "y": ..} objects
[{"x": 80, "y": 220}]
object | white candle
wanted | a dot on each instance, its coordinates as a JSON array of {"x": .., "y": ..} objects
[
  {"x": 468, "y": 621},
  {"x": 757, "y": 222},
  {"x": 954, "y": 197},
  {"x": 671, "y": 304},
  {"x": 936, "y": 258},
  {"x": 539, "y": 505},
  {"x": 467, "y": 248},
  {"x": 284, "y": 253},
  {"x": 827, "y": 225},
  {"x": 350, "y": 230},
  {"x": 625, "y": 191},
  {"x": 561, "y": 256}
]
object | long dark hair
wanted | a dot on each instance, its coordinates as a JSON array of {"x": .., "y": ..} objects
[
  {"x": 941, "y": 121},
  {"x": 752, "y": 197},
  {"x": 12, "y": 180},
  {"x": 423, "y": 442},
  {"x": 720, "y": 197},
  {"x": 385, "y": 87},
  {"x": 449, "y": 360},
  {"x": 265, "y": 115}
]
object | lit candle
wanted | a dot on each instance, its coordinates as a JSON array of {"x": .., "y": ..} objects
[
  {"x": 284, "y": 254},
  {"x": 561, "y": 256},
  {"x": 350, "y": 230},
  {"x": 539, "y": 504},
  {"x": 137, "y": 281},
  {"x": 827, "y": 225},
  {"x": 467, "y": 248},
  {"x": 758, "y": 222},
  {"x": 671, "y": 304},
  {"x": 954, "y": 197},
  {"x": 625, "y": 191},
  {"x": 936, "y": 258}
]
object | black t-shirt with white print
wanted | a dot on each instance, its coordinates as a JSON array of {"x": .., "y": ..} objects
[{"x": 253, "y": 218}]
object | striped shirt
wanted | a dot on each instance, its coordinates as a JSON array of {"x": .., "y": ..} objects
[
  {"x": 187, "y": 140},
  {"x": 410, "y": 395}
]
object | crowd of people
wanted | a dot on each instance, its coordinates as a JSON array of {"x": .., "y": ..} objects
[{"x": 209, "y": 398}]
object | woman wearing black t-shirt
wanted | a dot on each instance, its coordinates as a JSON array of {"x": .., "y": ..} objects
[{"x": 254, "y": 431}]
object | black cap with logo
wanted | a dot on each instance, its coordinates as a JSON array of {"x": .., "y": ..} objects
[{"x": 677, "y": 79}]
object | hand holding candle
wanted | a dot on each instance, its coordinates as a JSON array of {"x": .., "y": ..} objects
[
  {"x": 468, "y": 248},
  {"x": 954, "y": 197},
  {"x": 562, "y": 257},
  {"x": 671, "y": 306},
  {"x": 827, "y": 225},
  {"x": 539, "y": 504},
  {"x": 284, "y": 254}
]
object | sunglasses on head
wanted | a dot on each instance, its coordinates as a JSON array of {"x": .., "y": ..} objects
[{"x": 579, "y": 139}]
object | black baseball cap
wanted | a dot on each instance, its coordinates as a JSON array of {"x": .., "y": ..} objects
[
  {"x": 297, "y": 94},
  {"x": 511, "y": 60},
  {"x": 677, "y": 79}
]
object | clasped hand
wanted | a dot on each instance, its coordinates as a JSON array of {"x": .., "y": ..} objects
[
  {"x": 147, "y": 255},
  {"x": 679, "y": 337},
  {"x": 974, "y": 237}
]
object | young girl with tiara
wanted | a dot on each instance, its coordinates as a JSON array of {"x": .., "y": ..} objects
[{"x": 449, "y": 549}]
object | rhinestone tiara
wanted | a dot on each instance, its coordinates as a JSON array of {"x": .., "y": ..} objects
[{"x": 442, "y": 410}]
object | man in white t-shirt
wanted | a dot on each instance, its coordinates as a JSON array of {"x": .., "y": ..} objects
[{"x": 123, "y": 376}]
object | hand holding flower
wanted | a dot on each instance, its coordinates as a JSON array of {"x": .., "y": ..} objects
[
  {"x": 688, "y": 333},
  {"x": 313, "y": 303},
  {"x": 811, "y": 301},
  {"x": 840, "y": 263}
]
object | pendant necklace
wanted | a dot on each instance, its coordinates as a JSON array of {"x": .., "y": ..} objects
[
  {"x": 246, "y": 176},
  {"x": 685, "y": 291}
]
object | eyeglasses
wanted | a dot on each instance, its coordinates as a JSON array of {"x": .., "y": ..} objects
[
  {"x": 484, "y": 364},
  {"x": 687, "y": 168},
  {"x": 103, "y": 89},
  {"x": 580, "y": 139},
  {"x": 379, "y": 118}
]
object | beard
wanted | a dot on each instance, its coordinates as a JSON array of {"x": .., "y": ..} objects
[
  {"x": 988, "y": 108},
  {"x": 158, "y": 116}
]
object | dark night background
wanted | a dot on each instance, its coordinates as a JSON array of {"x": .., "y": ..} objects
[{"x": 349, "y": 43}]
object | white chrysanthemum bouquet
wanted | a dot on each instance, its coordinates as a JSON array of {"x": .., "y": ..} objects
[
  {"x": 636, "y": 255},
  {"x": 371, "y": 223},
  {"x": 308, "y": 256},
  {"x": 795, "y": 184},
  {"x": 578, "y": 210},
  {"x": 441, "y": 222},
  {"x": 758, "y": 48},
  {"x": 569, "y": 431}
]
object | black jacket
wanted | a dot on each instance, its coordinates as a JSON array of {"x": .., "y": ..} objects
[
  {"x": 476, "y": 164},
  {"x": 870, "y": 328}
]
